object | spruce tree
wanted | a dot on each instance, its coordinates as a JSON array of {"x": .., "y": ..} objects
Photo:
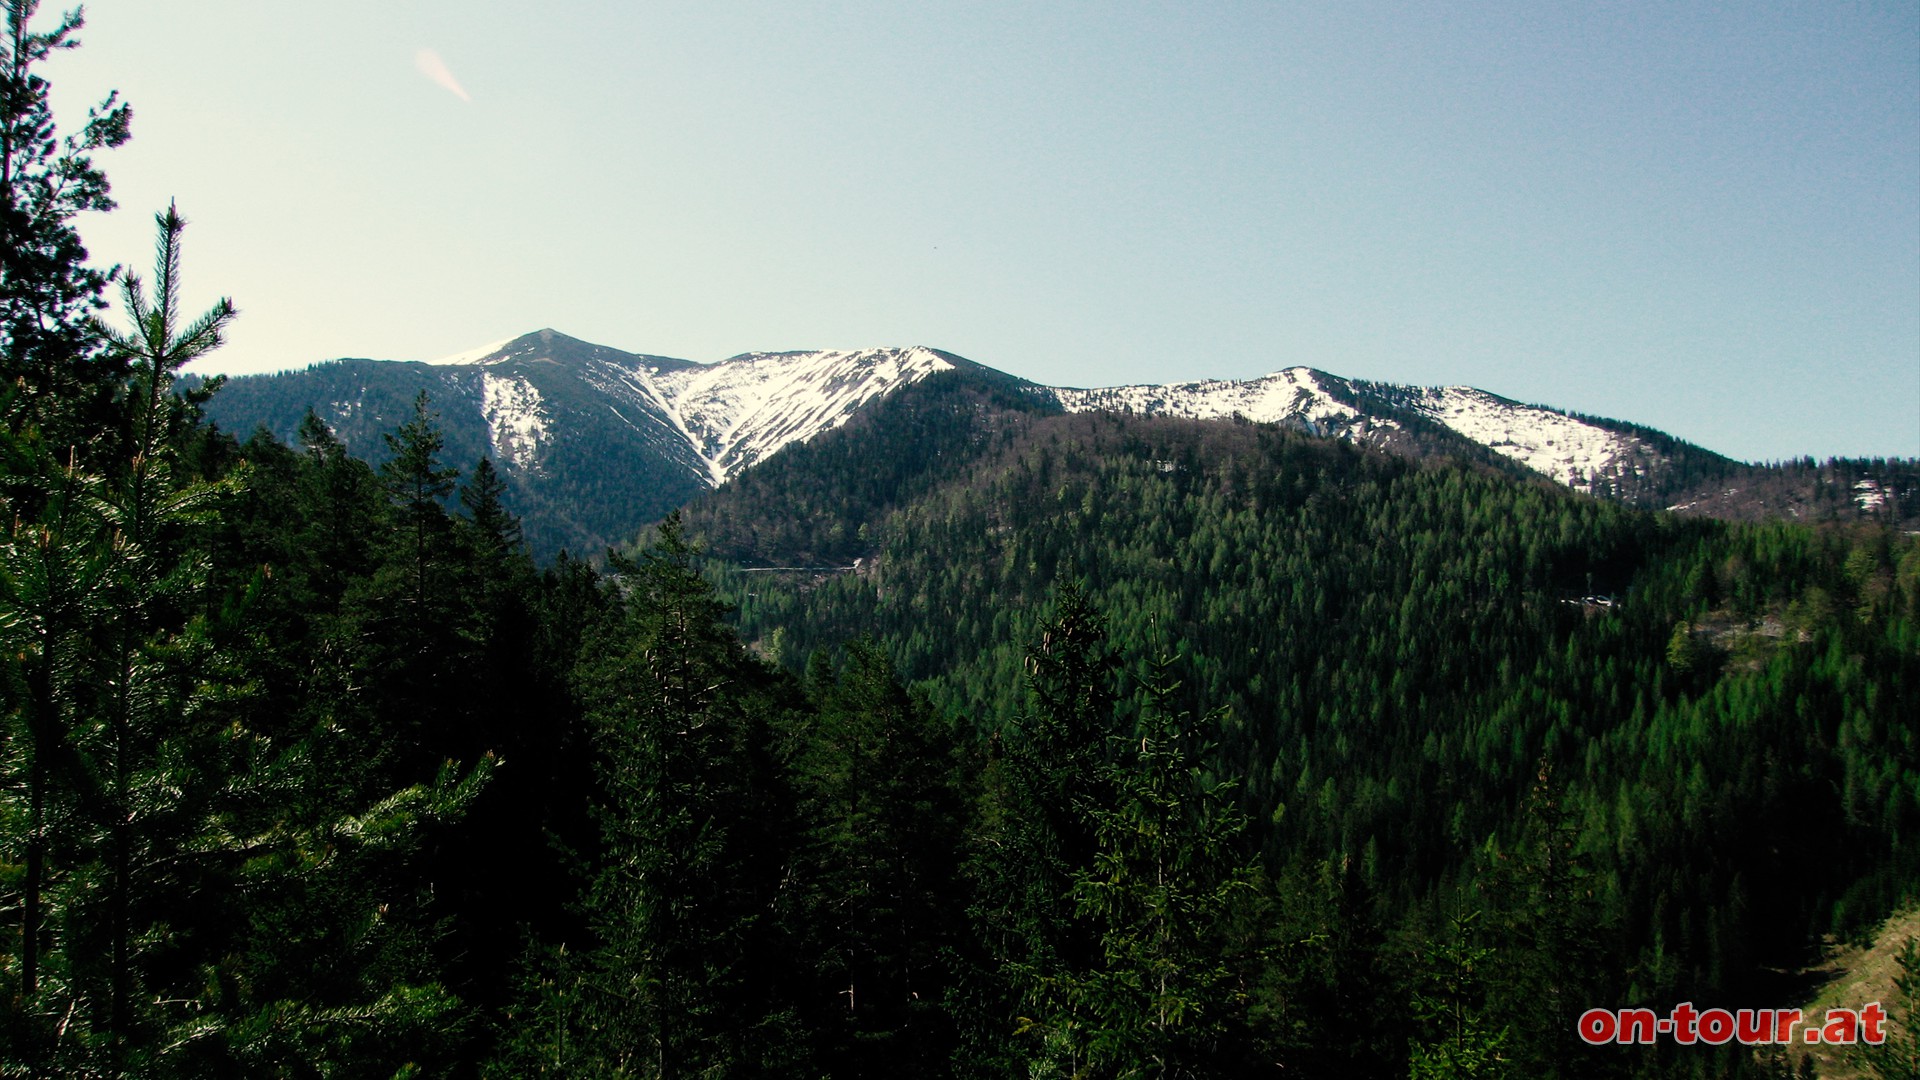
[
  {"x": 339, "y": 520},
  {"x": 495, "y": 530},
  {"x": 410, "y": 630},
  {"x": 57, "y": 434},
  {"x": 1459, "y": 1037},
  {"x": 875, "y": 774},
  {"x": 685, "y": 974},
  {"x": 1039, "y": 834},
  {"x": 1161, "y": 998},
  {"x": 55, "y": 594},
  {"x": 419, "y": 486},
  {"x": 1548, "y": 924}
]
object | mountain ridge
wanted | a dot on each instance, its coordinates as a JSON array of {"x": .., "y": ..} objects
[
  {"x": 636, "y": 434},
  {"x": 1324, "y": 403}
]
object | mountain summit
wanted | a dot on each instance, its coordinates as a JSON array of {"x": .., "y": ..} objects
[
  {"x": 594, "y": 441},
  {"x": 713, "y": 419}
]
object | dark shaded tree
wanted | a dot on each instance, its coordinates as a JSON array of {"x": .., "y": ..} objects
[
  {"x": 64, "y": 382},
  {"x": 877, "y": 783},
  {"x": 683, "y": 973}
]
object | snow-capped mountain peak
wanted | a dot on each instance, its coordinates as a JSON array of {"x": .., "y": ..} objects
[
  {"x": 717, "y": 419},
  {"x": 607, "y": 440},
  {"x": 721, "y": 418}
]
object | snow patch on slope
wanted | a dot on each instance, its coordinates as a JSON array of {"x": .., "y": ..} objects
[
  {"x": 1574, "y": 452},
  {"x": 515, "y": 421},
  {"x": 1293, "y": 394},
  {"x": 742, "y": 410},
  {"x": 1571, "y": 451}
]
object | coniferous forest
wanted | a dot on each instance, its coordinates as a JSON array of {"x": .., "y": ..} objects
[{"x": 1131, "y": 748}]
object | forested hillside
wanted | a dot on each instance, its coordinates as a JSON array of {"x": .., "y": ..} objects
[{"x": 1435, "y": 677}]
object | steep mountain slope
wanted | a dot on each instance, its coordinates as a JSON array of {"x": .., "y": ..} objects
[{"x": 821, "y": 502}]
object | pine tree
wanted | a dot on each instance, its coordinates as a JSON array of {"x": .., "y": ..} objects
[
  {"x": 100, "y": 591},
  {"x": 48, "y": 356},
  {"x": 152, "y": 576},
  {"x": 210, "y": 900}
]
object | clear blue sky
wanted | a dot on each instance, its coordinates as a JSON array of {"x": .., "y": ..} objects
[{"x": 1702, "y": 216}]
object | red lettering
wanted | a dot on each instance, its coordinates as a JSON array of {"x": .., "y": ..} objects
[
  {"x": 1684, "y": 1019},
  {"x": 1597, "y": 1026},
  {"x": 1638, "y": 1025},
  {"x": 1687, "y": 1025},
  {"x": 1872, "y": 1016}
]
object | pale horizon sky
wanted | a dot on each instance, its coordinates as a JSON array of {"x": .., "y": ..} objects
[{"x": 1705, "y": 218}]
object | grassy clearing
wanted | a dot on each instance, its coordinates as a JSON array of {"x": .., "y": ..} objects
[{"x": 1858, "y": 975}]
